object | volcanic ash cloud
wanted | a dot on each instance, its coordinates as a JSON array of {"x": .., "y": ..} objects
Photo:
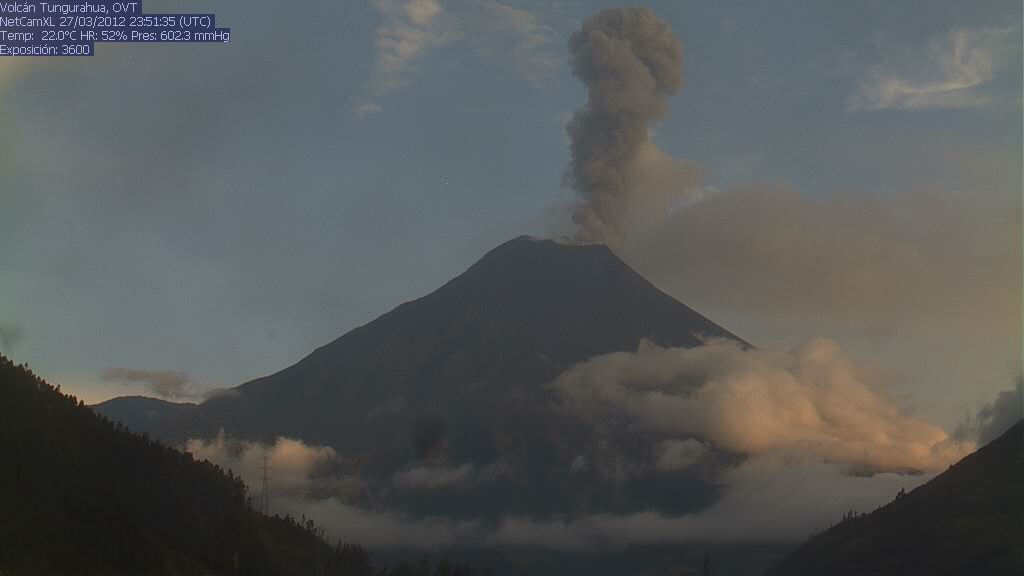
[{"x": 630, "y": 62}]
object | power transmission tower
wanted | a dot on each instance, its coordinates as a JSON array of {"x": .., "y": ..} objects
[{"x": 265, "y": 496}]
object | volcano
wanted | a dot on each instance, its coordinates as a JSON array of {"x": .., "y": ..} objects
[{"x": 455, "y": 380}]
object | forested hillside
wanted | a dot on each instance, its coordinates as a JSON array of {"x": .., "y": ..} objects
[
  {"x": 82, "y": 495},
  {"x": 967, "y": 520}
]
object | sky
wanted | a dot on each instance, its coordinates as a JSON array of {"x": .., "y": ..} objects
[{"x": 175, "y": 219}]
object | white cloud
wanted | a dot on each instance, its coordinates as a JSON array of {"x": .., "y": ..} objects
[
  {"x": 409, "y": 30},
  {"x": 810, "y": 401},
  {"x": 952, "y": 74},
  {"x": 675, "y": 454},
  {"x": 412, "y": 29},
  {"x": 531, "y": 47},
  {"x": 295, "y": 467},
  {"x": 422, "y": 12}
]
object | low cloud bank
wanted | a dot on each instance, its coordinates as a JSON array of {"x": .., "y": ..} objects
[
  {"x": 817, "y": 435},
  {"x": 298, "y": 470},
  {"x": 304, "y": 481},
  {"x": 818, "y": 439},
  {"x": 810, "y": 401},
  {"x": 768, "y": 497},
  {"x": 171, "y": 385}
]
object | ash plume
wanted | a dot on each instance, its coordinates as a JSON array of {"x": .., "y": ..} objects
[{"x": 630, "y": 62}]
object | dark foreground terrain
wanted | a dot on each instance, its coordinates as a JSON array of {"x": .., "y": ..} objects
[
  {"x": 967, "y": 520},
  {"x": 82, "y": 495}
]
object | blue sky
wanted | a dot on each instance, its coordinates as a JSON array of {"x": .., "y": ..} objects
[{"x": 222, "y": 210}]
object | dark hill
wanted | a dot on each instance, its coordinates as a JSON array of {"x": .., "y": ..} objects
[
  {"x": 138, "y": 412},
  {"x": 80, "y": 495},
  {"x": 967, "y": 520},
  {"x": 457, "y": 377}
]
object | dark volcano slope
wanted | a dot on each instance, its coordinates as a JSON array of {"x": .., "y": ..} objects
[
  {"x": 457, "y": 376},
  {"x": 967, "y": 520}
]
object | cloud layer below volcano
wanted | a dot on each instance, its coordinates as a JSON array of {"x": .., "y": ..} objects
[{"x": 812, "y": 401}]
